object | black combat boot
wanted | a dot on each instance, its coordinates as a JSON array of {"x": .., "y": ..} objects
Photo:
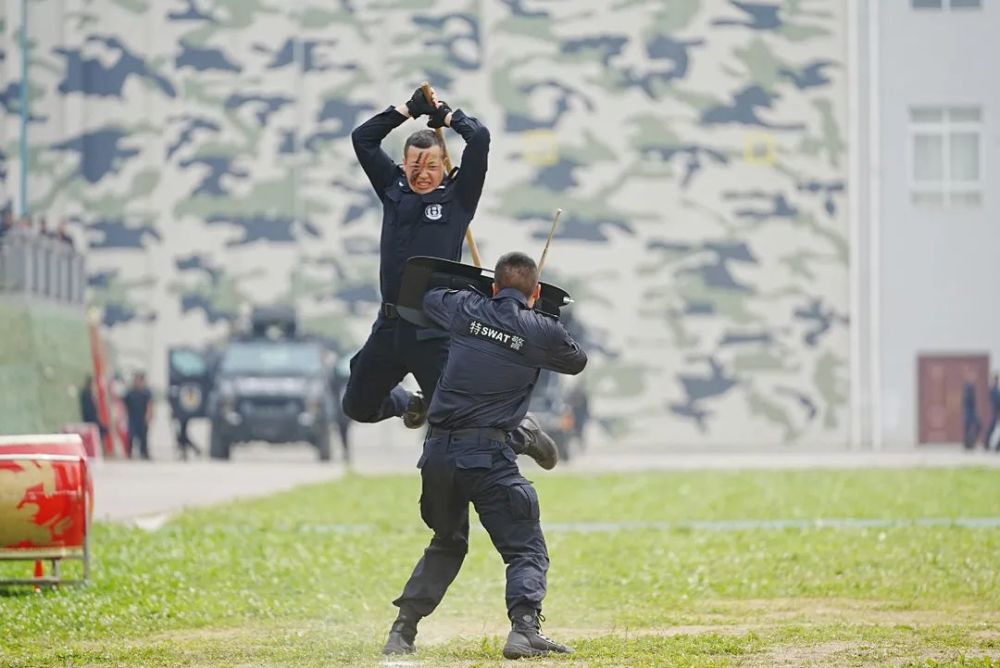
[
  {"x": 526, "y": 639},
  {"x": 529, "y": 439},
  {"x": 401, "y": 636},
  {"x": 415, "y": 414}
]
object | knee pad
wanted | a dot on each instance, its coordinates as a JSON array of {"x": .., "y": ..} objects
[{"x": 456, "y": 544}]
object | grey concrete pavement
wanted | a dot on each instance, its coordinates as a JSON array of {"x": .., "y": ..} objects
[{"x": 127, "y": 490}]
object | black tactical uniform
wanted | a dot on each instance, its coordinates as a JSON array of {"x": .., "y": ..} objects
[
  {"x": 432, "y": 224},
  {"x": 498, "y": 347}
]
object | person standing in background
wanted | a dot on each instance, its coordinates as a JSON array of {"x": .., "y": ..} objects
[
  {"x": 64, "y": 236},
  {"x": 139, "y": 408},
  {"x": 88, "y": 405},
  {"x": 182, "y": 419},
  {"x": 971, "y": 417},
  {"x": 991, "y": 438}
]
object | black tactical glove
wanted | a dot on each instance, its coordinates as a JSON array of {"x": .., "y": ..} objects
[
  {"x": 418, "y": 105},
  {"x": 438, "y": 116}
]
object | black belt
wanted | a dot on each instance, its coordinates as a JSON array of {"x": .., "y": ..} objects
[
  {"x": 389, "y": 311},
  {"x": 492, "y": 433}
]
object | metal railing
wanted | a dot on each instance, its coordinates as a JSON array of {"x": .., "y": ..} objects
[{"x": 41, "y": 266}]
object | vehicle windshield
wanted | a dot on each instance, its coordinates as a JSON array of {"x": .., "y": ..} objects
[
  {"x": 269, "y": 359},
  {"x": 187, "y": 362}
]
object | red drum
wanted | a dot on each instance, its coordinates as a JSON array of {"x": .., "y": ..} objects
[
  {"x": 89, "y": 433},
  {"x": 46, "y": 502}
]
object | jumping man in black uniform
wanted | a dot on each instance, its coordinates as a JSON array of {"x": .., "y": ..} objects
[
  {"x": 498, "y": 347},
  {"x": 424, "y": 212}
]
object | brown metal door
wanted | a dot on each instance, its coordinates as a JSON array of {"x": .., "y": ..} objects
[{"x": 941, "y": 380}]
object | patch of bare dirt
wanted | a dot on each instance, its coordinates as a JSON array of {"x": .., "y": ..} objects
[
  {"x": 821, "y": 654},
  {"x": 846, "y": 610}
]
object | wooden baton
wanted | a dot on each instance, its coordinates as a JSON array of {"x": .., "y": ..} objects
[{"x": 545, "y": 252}]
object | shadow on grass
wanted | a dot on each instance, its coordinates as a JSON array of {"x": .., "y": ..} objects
[{"x": 16, "y": 591}]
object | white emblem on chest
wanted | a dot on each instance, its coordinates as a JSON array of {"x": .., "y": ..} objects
[{"x": 433, "y": 212}]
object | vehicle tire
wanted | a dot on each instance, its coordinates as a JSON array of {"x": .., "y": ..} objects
[
  {"x": 218, "y": 447},
  {"x": 322, "y": 443}
]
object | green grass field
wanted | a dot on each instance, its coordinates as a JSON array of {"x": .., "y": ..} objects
[{"x": 306, "y": 578}]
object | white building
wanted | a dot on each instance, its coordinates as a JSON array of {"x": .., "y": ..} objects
[{"x": 927, "y": 213}]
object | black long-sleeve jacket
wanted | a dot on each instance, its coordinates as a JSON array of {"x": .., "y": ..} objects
[
  {"x": 433, "y": 224},
  {"x": 497, "y": 348}
]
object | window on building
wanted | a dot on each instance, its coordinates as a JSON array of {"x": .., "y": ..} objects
[
  {"x": 946, "y": 160},
  {"x": 947, "y": 4}
]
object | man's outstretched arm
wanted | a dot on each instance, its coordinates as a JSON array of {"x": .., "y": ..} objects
[
  {"x": 441, "y": 305},
  {"x": 367, "y": 139},
  {"x": 472, "y": 176},
  {"x": 563, "y": 354}
]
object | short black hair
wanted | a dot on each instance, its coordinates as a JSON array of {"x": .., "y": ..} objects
[
  {"x": 422, "y": 139},
  {"x": 516, "y": 270}
]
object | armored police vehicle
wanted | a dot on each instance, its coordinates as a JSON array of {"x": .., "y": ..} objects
[{"x": 269, "y": 384}]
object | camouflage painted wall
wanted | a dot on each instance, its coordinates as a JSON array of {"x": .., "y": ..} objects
[
  {"x": 6, "y": 107},
  {"x": 697, "y": 147}
]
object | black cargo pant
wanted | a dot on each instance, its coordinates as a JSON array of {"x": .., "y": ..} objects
[
  {"x": 138, "y": 434},
  {"x": 476, "y": 465},
  {"x": 990, "y": 428},
  {"x": 393, "y": 349},
  {"x": 972, "y": 427}
]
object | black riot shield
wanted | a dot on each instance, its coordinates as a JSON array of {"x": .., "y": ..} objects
[{"x": 423, "y": 273}]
